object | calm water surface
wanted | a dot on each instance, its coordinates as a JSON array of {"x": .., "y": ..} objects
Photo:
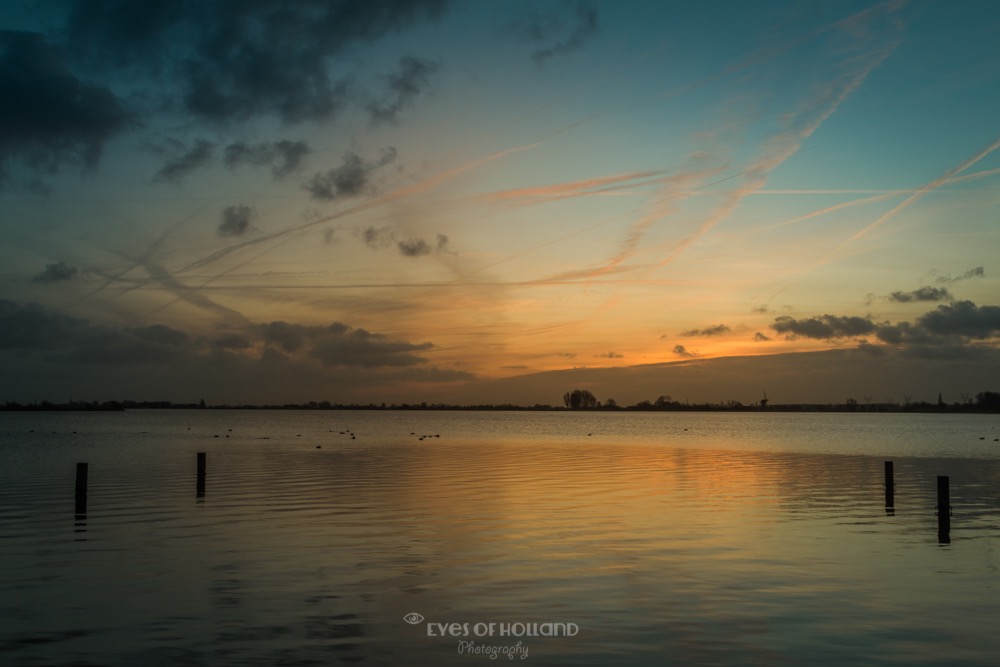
[{"x": 637, "y": 539}]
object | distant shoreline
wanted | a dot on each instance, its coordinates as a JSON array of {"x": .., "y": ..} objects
[{"x": 121, "y": 406}]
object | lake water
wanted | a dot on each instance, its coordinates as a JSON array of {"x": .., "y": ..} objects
[{"x": 541, "y": 538}]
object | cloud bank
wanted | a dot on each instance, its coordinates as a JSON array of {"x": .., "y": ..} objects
[
  {"x": 953, "y": 326},
  {"x": 258, "y": 362}
]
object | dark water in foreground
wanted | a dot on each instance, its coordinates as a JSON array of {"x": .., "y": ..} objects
[{"x": 651, "y": 539}]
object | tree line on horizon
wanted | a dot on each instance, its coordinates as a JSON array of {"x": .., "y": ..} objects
[
  {"x": 576, "y": 400},
  {"x": 984, "y": 401}
]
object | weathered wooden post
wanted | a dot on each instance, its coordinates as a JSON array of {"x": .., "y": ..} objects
[
  {"x": 201, "y": 474},
  {"x": 890, "y": 489},
  {"x": 944, "y": 510},
  {"x": 81, "y": 488}
]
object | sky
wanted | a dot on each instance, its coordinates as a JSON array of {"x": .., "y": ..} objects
[{"x": 498, "y": 202}]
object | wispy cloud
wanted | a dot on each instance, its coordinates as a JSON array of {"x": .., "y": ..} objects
[
  {"x": 560, "y": 34},
  {"x": 283, "y": 157},
  {"x": 395, "y": 195},
  {"x": 715, "y": 330},
  {"x": 404, "y": 86},
  {"x": 236, "y": 220},
  {"x": 922, "y": 294},
  {"x": 977, "y": 272},
  {"x": 58, "y": 272},
  {"x": 351, "y": 179},
  {"x": 181, "y": 159}
]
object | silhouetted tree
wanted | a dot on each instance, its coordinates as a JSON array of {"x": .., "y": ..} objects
[
  {"x": 988, "y": 400},
  {"x": 580, "y": 399}
]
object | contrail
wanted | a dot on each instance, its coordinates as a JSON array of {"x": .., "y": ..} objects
[
  {"x": 831, "y": 209},
  {"x": 586, "y": 187},
  {"x": 196, "y": 289},
  {"x": 936, "y": 183},
  {"x": 399, "y": 193},
  {"x": 150, "y": 251},
  {"x": 882, "y": 196},
  {"x": 764, "y": 167},
  {"x": 190, "y": 295},
  {"x": 950, "y": 176},
  {"x": 183, "y": 292}
]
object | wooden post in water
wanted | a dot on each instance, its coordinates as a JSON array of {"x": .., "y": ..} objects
[
  {"x": 201, "y": 474},
  {"x": 944, "y": 510},
  {"x": 889, "y": 489},
  {"x": 81, "y": 488}
]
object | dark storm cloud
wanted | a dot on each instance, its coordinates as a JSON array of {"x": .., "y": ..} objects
[
  {"x": 350, "y": 179},
  {"x": 977, "y": 272},
  {"x": 707, "y": 331},
  {"x": 283, "y": 157},
  {"x": 236, "y": 220},
  {"x": 242, "y": 59},
  {"x": 824, "y": 327},
  {"x": 760, "y": 338},
  {"x": 922, "y": 294},
  {"x": 58, "y": 272},
  {"x": 682, "y": 351},
  {"x": 563, "y": 36},
  {"x": 963, "y": 318},
  {"x": 404, "y": 86},
  {"x": 49, "y": 118},
  {"x": 182, "y": 159}
]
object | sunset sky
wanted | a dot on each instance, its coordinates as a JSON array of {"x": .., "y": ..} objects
[{"x": 421, "y": 200}]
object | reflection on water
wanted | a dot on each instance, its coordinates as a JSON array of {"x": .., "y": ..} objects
[{"x": 661, "y": 545}]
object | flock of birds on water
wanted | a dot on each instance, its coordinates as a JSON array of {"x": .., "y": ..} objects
[{"x": 353, "y": 435}]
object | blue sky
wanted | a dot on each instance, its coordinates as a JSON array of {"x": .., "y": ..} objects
[{"x": 403, "y": 201}]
